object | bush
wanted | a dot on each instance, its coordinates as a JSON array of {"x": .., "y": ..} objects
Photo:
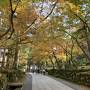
[
  {"x": 78, "y": 76},
  {"x": 15, "y": 75},
  {"x": 3, "y": 81}
]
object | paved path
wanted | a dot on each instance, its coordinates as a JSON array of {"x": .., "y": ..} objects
[
  {"x": 41, "y": 82},
  {"x": 28, "y": 83},
  {"x": 71, "y": 84}
]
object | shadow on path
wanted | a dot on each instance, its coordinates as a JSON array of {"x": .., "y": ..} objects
[{"x": 28, "y": 83}]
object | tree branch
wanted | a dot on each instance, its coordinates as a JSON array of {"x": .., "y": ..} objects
[
  {"x": 84, "y": 22},
  {"x": 54, "y": 5}
]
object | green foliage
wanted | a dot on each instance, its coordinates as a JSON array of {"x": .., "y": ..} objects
[
  {"x": 78, "y": 2},
  {"x": 77, "y": 76},
  {"x": 3, "y": 3},
  {"x": 15, "y": 75},
  {"x": 3, "y": 81}
]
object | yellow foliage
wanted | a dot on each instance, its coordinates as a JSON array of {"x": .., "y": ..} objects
[
  {"x": 61, "y": 1},
  {"x": 73, "y": 7}
]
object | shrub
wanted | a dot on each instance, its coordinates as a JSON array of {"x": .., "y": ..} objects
[{"x": 78, "y": 76}]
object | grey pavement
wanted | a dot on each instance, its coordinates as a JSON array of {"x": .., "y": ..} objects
[
  {"x": 42, "y": 82},
  {"x": 28, "y": 83}
]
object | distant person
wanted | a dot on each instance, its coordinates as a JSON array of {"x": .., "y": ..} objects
[{"x": 43, "y": 71}]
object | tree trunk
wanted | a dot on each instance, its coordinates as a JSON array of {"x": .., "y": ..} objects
[
  {"x": 56, "y": 60},
  {"x": 3, "y": 59},
  {"x": 52, "y": 62},
  {"x": 15, "y": 63}
]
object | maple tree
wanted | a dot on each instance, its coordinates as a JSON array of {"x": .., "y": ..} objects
[{"x": 58, "y": 31}]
